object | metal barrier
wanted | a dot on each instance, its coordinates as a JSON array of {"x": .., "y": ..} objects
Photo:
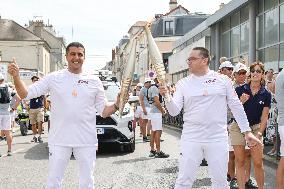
[{"x": 176, "y": 121}]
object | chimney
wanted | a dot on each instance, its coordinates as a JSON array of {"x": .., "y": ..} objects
[
  {"x": 221, "y": 5},
  {"x": 173, "y": 4},
  {"x": 112, "y": 54},
  {"x": 38, "y": 25}
]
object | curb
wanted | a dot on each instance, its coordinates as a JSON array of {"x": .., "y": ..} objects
[{"x": 272, "y": 160}]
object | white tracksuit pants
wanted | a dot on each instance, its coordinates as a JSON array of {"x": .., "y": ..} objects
[
  {"x": 59, "y": 157},
  {"x": 217, "y": 156}
]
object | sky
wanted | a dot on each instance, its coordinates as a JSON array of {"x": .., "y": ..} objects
[{"x": 97, "y": 24}]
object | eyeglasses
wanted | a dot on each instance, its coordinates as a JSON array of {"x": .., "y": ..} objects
[
  {"x": 229, "y": 69},
  {"x": 257, "y": 71},
  {"x": 191, "y": 59},
  {"x": 241, "y": 73}
]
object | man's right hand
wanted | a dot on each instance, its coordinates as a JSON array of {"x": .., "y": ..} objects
[
  {"x": 13, "y": 69},
  {"x": 163, "y": 90},
  {"x": 145, "y": 112}
]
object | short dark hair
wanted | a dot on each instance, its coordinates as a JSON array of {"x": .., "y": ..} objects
[
  {"x": 203, "y": 52},
  {"x": 74, "y": 44},
  {"x": 34, "y": 77},
  {"x": 271, "y": 70}
]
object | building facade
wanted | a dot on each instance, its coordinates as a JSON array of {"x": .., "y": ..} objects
[
  {"x": 242, "y": 30},
  {"x": 57, "y": 44},
  {"x": 165, "y": 29},
  {"x": 31, "y": 52}
]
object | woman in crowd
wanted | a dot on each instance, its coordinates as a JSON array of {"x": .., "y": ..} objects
[{"x": 256, "y": 101}]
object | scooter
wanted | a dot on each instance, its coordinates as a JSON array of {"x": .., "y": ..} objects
[{"x": 23, "y": 121}]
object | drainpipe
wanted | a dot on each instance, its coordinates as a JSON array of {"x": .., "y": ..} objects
[{"x": 252, "y": 32}]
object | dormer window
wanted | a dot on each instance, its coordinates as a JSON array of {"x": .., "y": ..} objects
[{"x": 169, "y": 28}]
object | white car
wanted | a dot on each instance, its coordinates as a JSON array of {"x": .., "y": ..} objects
[{"x": 113, "y": 130}]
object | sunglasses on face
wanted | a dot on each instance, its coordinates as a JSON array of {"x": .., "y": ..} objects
[
  {"x": 257, "y": 71},
  {"x": 229, "y": 69}
]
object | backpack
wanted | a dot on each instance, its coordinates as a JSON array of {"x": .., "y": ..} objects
[
  {"x": 151, "y": 100},
  {"x": 4, "y": 95}
]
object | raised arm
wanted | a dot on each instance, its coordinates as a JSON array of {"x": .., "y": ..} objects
[{"x": 20, "y": 86}]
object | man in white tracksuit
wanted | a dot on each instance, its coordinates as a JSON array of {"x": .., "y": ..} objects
[
  {"x": 204, "y": 95},
  {"x": 76, "y": 98}
]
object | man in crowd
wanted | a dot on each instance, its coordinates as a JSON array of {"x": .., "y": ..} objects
[
  {"x": 144, "y": 103},
  {"x": 226, "y": 68},
  {"x": 279, "y": 95},
  {"x": 204, "y": 95},
  {"x": 138, "y": 109},
  {"x": 270, "y": 82},
  {"x": 72, "y": 129},
  {"x": 36, "y": 114},
  {"x": 156, "y": 113},
  {"x": 5, "y": 116}
]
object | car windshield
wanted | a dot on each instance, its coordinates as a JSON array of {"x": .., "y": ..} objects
[{"x": 111, "y": 92}]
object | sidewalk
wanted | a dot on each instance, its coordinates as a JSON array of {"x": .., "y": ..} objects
[{"x": 270, "y": 159}]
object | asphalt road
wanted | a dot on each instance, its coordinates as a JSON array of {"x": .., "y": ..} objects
[{"x": 27, "y": 168}]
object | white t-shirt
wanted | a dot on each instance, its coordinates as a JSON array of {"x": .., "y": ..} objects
[
  {"x": 205, "y": 100},
  {"x": 75, "y": 100}
]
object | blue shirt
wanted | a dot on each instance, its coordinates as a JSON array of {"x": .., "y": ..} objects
[
  {"x": 152, "y": 92},
  {"x": 36, "y": 103},
  {"x": 144, "y": 93},
  {"x": 255, "y": 104}
]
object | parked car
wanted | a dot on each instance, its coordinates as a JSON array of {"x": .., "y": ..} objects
[{"x": 114, "y": 131}]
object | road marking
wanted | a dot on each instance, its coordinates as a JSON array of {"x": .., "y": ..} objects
[{"x": 14, "y": 152}]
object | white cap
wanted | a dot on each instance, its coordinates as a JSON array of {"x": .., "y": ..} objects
[
  {"x": 240, "y": 66},
  {"x": 139, "y": 85},
  {"x": 1, "y": 76},
  {"x": 153, "y": 82},
  {"x": 226, "y": 64},
  {"x": 147, "y": 80}
]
